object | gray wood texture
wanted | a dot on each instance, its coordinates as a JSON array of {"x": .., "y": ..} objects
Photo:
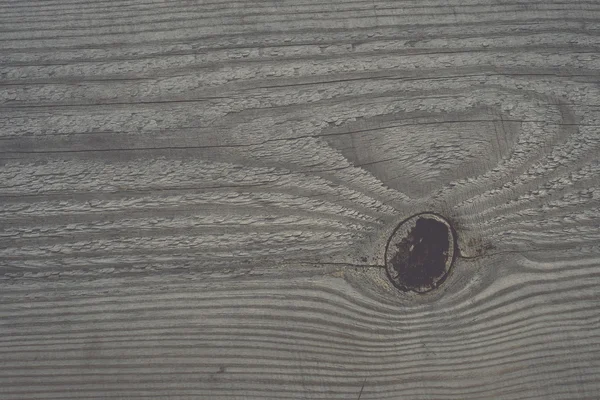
[{"x": 195, "y": 198}]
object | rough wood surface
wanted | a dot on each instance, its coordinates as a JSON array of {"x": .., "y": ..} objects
[{"x": 195, "y": 198}]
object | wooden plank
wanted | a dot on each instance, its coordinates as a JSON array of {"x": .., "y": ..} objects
[{"x": 195, "y": 198}]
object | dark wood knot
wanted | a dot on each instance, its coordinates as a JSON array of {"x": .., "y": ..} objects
[{"x": 420, "y": 253}]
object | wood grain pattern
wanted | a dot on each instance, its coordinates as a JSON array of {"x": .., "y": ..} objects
[{"x": 195, "y": 197}]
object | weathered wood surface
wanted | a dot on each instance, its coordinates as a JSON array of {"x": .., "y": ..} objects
[{"x": 195, "y": 198}]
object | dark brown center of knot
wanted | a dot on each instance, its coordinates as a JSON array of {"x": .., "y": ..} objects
[{"x": 420, "y": 253}]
